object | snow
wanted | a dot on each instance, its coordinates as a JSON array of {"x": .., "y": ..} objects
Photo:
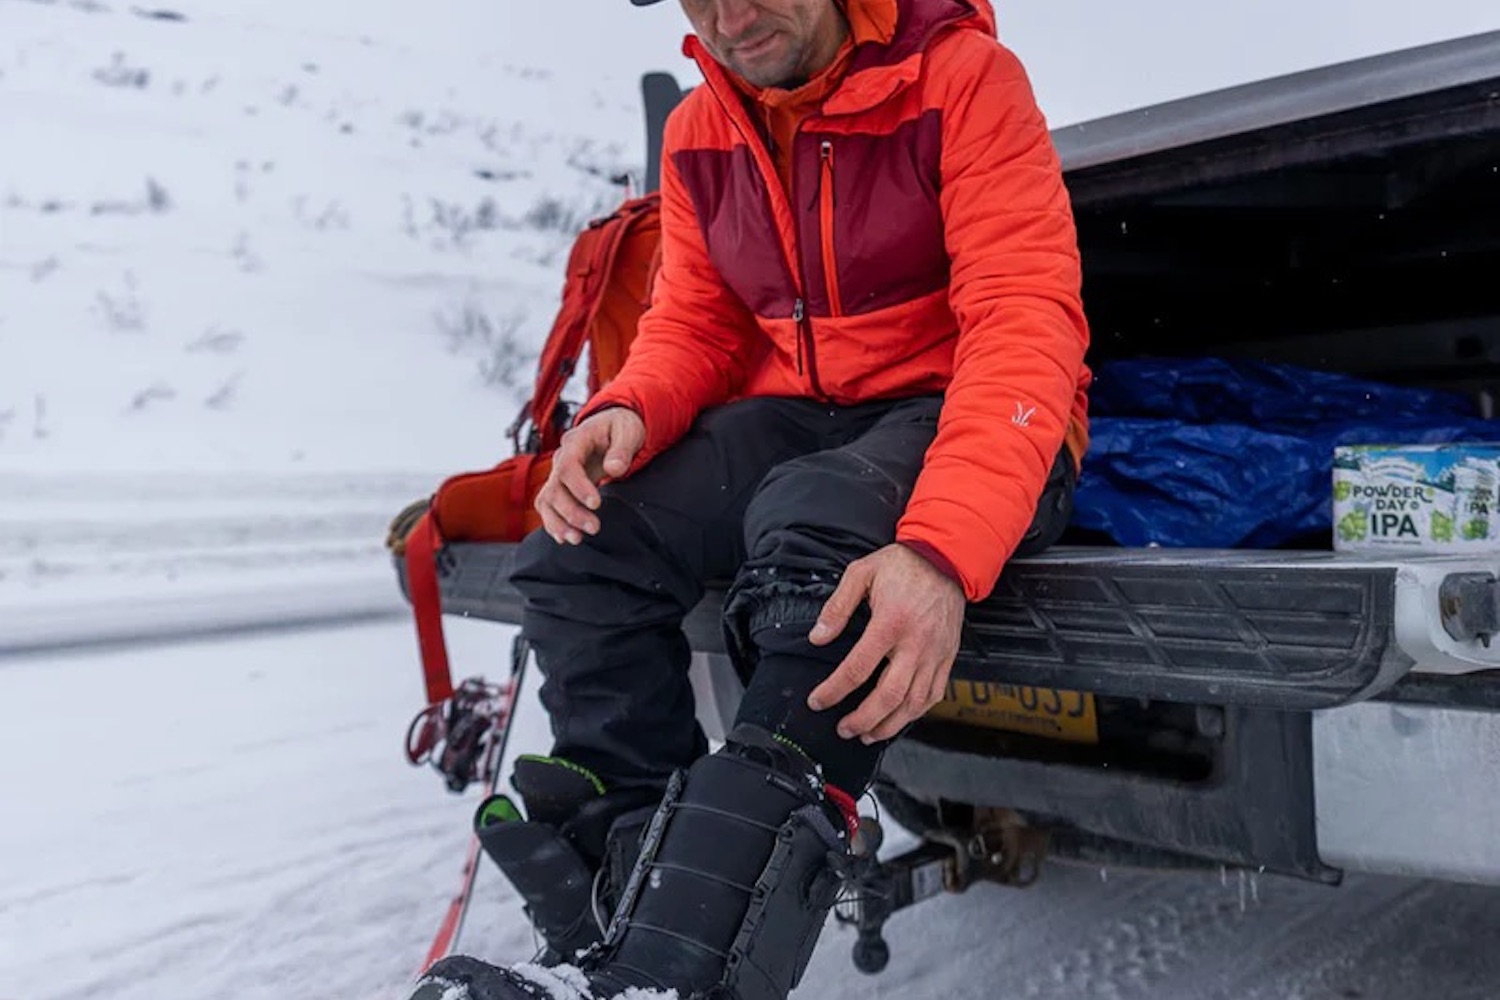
[
  {"x": 329, "y": 236},
  {"x": 218, "y": 821},
  {"x": 268, "y": 271},
  {"x": 234, "y": 819},
  {"x": 96, "y": 558},
  {"x": 281, "y": 237},
  {"x": 563, "y": 982}
]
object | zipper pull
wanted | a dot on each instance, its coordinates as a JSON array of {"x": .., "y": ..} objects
[
  {"x": 827, "y": 171},
  {"x": 825, "y": 161},
  {"x": 799, "y": 313}
]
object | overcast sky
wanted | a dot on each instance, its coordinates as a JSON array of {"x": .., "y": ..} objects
[{"x": 1087, "y": 57}]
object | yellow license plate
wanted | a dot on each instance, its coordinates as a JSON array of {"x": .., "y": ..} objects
[{"x": 1047, "y": 712}]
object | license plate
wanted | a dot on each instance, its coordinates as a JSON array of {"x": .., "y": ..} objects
[{"x": 1047, "y": 712}]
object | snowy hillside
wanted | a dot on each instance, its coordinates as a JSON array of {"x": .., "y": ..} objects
[
  {"x": 284, "y": 236},
  {"x": 328, "y": 236}
]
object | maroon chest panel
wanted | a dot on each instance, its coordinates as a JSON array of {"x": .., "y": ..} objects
[
  {"x": 887, "y": 219},
  {"x": 734, "y": 210}
]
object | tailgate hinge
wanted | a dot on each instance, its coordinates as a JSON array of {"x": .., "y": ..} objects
[{"x": 1470, "y": 607}]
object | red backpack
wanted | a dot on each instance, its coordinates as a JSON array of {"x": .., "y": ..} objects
[{"x": 606, "y": 289}]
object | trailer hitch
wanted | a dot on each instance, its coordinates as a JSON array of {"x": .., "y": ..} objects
[{"x": 999, "y": 848}]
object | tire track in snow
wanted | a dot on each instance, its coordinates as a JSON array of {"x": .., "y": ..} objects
[
  {"x": 1151, "y": 936},
  {"x": 1405, "y": 939},
  {"x": 193, "y": 556}
]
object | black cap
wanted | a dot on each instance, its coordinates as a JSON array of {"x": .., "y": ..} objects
[{"x": 644, "y": 3}]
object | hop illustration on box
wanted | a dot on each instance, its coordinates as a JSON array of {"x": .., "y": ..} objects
[{"x": 1439, "y": 498}]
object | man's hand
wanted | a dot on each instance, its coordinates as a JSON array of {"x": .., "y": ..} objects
[
  {"x": 604, "y": 444},
  {"x": 916, "y": 621}
]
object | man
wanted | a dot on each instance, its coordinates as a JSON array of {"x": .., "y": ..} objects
[{"x": 859, "y": 391}]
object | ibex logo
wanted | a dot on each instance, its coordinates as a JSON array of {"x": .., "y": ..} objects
[{"x": 1023, "y": 415}]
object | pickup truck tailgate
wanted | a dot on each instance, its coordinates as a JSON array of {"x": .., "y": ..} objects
[{"x": 1284, "y": 630}]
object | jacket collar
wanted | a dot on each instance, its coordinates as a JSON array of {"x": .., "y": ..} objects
[{"x": 891, "y": 38}]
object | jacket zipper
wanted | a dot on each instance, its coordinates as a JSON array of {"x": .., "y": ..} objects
[
  {"x": 825, "y": 228},
  {"x": 807, "y": 362},
  {"x": 807, "y": 348},
  {"x": 799, "y": 316},
  {"x": 804, "y": 332}
]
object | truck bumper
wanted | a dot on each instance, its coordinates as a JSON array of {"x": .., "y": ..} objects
[
  {"x": 1409, "y": 790},
  {"x": 1379, "y": 787}
]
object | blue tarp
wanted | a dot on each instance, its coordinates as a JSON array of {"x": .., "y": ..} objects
[{"x": 1209, "y": 453}]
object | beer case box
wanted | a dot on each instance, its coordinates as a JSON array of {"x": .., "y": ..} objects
[{"x": 1424, "y": 498}]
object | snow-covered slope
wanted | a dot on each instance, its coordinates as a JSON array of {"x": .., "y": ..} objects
[
  {"x": 268, "y": 271},
  {"x": 275, "y": 235},
  {"x": 288, "y": 236}
]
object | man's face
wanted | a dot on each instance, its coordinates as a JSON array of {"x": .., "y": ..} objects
[{"x": 768, "y": 43}]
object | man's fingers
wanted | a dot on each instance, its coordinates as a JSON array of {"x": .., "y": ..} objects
[
  {"x": 603, "y": 445},
  {"x": 623, "y": 436},
  {"x": 564, "y": 517},
  {"x": 552, "y": 522},
  {"x": 858, "y": 667},
  {"x": 617, "y": 461},
  {"x": 919, "y": 701},
  {"x": 574, "y": 517},
  {"x": 839, "y": 608},
  {"x": 580, "y": 496},
  {"x": 937, "y": 689},
  {"x": 887, "y": 704}
]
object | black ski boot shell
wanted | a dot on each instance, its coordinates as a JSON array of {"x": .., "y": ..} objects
[
  {"x": 553, "y": 859},
  {"x": 736, "y": 876}
]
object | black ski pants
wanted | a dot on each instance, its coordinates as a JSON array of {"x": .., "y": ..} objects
[{"x": 776, "y": 495}]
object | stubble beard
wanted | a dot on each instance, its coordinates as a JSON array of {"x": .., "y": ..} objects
[{"x": 787, "y": 72}]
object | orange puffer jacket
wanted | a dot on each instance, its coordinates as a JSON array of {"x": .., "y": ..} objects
[{"x": 927, "y": 246}]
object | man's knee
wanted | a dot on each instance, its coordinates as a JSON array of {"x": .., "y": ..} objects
[
  {"x": 824, "y": 511},
  {"x": 1054, "y": 510},
  {"x": 535, "y": 560},
  {"x": 623, "y": 575},
  {"x": 808, "y": 521}
]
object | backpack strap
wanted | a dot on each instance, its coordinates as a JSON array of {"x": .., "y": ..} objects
[
  {"x": 422, "y": 548},
  {"x": 424, "y": 544},
  {"x": 589, "y": 267},
  {"x": 504, "y": 513}
]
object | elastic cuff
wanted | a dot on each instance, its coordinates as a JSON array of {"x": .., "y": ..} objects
[
  {"x": 588, "y": 411},
  {"x": 938, "y": 560}
]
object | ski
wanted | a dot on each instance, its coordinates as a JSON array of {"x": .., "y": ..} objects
[
  {"x": 487, "y": 714},
  {"x": 660, "y": 93}
]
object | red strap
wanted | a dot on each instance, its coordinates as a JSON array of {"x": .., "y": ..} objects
[
  {"x": 422, "y": 546},
  {"x": 846, "y": 805}
]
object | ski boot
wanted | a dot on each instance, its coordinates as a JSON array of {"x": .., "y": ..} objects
[
  {"x": 570, "y": 855},
  {"x": 739, "y": 868}
]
